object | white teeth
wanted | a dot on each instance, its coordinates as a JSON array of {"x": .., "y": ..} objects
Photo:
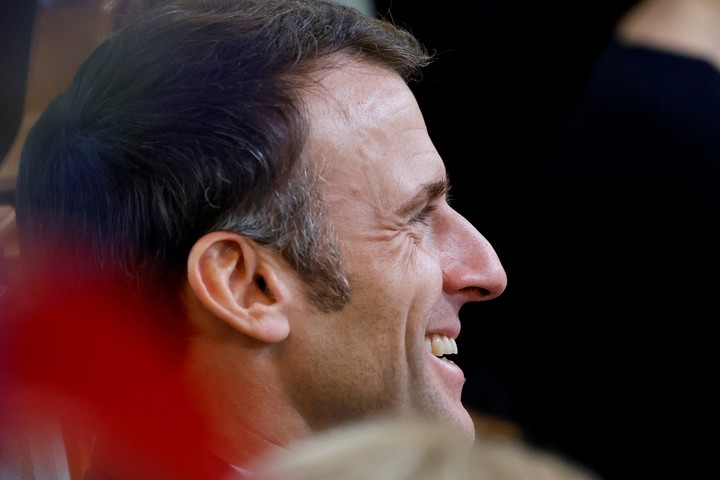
[{"x": 440, "y": 345}]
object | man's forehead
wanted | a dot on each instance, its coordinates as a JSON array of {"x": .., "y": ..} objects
[
  {"x": 368, "y": 137},
  {"x": 350, "y": 87}
]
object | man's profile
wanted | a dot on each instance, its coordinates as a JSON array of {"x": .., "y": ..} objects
[{"x": 251, "y": 184}]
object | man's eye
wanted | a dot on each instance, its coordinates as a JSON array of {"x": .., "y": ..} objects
[{"x": 422, "y": 215}]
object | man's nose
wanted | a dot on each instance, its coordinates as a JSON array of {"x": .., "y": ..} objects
[{"x": 471, "y": 268}]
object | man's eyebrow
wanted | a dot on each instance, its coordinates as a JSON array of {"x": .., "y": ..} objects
[{"x": 427, "y": 192}]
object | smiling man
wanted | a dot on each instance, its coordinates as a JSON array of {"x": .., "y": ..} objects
[{"x": 260, "y": 174}]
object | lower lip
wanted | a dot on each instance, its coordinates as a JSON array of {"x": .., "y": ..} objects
[{"x": 452, "y": 374}]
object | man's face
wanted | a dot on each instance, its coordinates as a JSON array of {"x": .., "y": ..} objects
[{"x": 412, "y": 261}]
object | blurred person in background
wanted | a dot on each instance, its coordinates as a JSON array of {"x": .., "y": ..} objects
[{"x": 413, "y": 448}]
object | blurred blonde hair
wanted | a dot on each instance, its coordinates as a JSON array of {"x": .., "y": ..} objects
[{"x": 412, "y": 449}]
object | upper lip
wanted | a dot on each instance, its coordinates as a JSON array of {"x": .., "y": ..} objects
[
  {"x": 451, "y": 330},
  {"x": 443, "y": 321}
]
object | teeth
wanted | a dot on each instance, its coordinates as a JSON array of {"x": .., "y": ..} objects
[{"x": 440, "y": 345}]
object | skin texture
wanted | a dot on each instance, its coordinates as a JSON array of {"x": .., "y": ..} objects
[
  {"x": 412, "y": 262},
  {"x": 408, "y": 277}
]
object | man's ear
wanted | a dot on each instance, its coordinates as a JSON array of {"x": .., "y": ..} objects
[{"x": 236, "y": 281}]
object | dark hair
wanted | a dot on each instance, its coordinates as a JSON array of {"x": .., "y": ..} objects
[{"x": 189, "y": 119}]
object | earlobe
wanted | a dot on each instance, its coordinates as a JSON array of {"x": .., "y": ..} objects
[{"x": 233, "y": 279}]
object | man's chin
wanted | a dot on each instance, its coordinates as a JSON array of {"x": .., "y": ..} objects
[
  {"x": 465, "y": 425},
  {"x": 456, "y": 418}
]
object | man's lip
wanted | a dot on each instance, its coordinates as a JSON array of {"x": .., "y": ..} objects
[
  {"x": 452, "y": 375},
  {"x": 450, "y": 330}
]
